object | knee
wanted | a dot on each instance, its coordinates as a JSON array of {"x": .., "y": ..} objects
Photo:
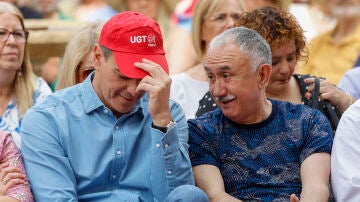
[{"x": 187, "y": 193}]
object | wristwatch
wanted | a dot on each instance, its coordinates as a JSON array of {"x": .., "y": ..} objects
[{"x": 166, "y": 128}]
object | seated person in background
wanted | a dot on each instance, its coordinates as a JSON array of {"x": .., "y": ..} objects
[
  {"x": 26, "y": 11},
  {"x": 116, "y": 135},
  {"x": 19, "y": 87},
  {"x": 87, "y": 10},
  {"x": 334, "y": 52},
  {"x": 78, "y": 58},
  {"x": 49, "y": 9},
  {"x": 287, "y": 42},
  {"x": 255, "y": 4},
  {"x": 210, "y": 18},
  {"x": 255, "y": 148},
  {"x": 48, "y": 67},
  {"x": 350, "y": 82},
  {"x": 345, "y": 164},
  {"x": 14, "y": 186}
]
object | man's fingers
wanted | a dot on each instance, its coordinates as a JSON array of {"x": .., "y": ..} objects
[{"x": 152, "y": 68}]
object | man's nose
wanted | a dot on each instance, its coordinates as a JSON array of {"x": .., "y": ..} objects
[
  {"x": 218, "y": 89},
  {"x": 131, "y": 86}
]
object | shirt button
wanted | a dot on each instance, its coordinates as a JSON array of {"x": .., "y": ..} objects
[
  {"x": 166, "y": 145},
  {"x": 106, "y": 111},
  {"x": 117, "y": 127},
  {"x": 114, "y": 176},
  {"x": 118, "y": 152},
  {"x": 169, "y": 172},
  {"x": 157, "y": 145}
]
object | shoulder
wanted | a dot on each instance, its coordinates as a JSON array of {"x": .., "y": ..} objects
[
  {"x": 41, "y": 90},
  {"x": 290, "y": 109},
  {"x": 40, "y": 85},
  {"x": 321, "y": 37},
  {"x": 178, "y": 79},
  {"x": 64, "y": 96},
  {"x": 211, "y": 119},
  {"x": 354, "y": 73}
]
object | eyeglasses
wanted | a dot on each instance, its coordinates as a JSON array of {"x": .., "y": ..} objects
[
  {"x": 19, "y": 35},
  {"x": 221, "y": 18}
]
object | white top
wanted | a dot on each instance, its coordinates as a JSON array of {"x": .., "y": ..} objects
[
  {"x": 311, "y": 19},
  {"x": 187, "y": 92},
  {"x": 11, "y": 119},
  {"x": 345, "y": 156}
]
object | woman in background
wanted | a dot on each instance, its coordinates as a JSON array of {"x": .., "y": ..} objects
[
  {"x": 14, "y": 185},
  {"x": 334, "y": 52},
  {"x": 19, "y": 87},
  {"x": 78, "y": 58}
]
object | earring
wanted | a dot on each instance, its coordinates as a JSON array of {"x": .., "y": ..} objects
[{"x": 19, "y": 73}]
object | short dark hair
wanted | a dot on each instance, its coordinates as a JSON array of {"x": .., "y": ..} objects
[{"x": 107, "y": 52}]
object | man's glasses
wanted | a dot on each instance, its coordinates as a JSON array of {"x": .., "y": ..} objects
[
  {"x": 19, "y": 35},
  {"x": 221, "y": 18}
]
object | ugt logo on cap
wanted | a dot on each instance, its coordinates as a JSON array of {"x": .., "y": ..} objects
[{"x": 150, "y": 39}]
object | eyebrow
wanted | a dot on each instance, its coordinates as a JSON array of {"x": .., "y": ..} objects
[{"x": 222, "y": 68}]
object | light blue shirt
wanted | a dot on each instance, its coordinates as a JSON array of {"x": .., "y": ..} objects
[{"x": 75, "y": 149}]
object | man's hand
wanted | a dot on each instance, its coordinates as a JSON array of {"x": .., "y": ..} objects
[
  {"x": 157, "y": 85},
  {"x": 294, "y": 198}
]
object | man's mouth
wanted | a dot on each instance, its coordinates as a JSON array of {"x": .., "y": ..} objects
[{"x": 225, "y": 99}]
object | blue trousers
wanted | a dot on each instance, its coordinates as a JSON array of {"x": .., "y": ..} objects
[{"x": 187, "y": 193}]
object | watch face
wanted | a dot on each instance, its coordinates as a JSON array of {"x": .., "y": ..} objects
[{"x": 171, "y": 124}]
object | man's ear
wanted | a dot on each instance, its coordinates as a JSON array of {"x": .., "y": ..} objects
[
  {"x": 98, "y": 54},
  {"x": 264, "y": 74}
]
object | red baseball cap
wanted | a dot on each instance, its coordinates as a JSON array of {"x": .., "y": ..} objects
[{"x": 133, "y": 36}]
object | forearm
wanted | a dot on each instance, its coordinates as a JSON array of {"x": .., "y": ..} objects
[
  {"x": 316, "y": 193},
  {"x": 8, "y": 199},
  {"x": 177, "y": 159},
  {"x": 346, "y": 102},
  {"x": 315, "y": 174},
  {"x": 221, "y": 197}
]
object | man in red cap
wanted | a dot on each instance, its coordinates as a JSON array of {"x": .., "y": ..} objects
[{"x": 116, "y": 136}]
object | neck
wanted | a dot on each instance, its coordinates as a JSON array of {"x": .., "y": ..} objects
[
  {"x": 266, "y": 110},
  {"x": 289, "y": 92},
  {"x": 257, "y": 114},
  {"x": 6, "y": 82}
]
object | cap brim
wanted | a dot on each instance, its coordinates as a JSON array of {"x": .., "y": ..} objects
[{"x": 125, "y": 63}]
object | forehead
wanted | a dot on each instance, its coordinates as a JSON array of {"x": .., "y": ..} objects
[
  {"x": 284, "y": 49},
  {"x": 8, "y": 19},
  {"x": 228, "y": 55},
  {"x": 227, "y": 5}
]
